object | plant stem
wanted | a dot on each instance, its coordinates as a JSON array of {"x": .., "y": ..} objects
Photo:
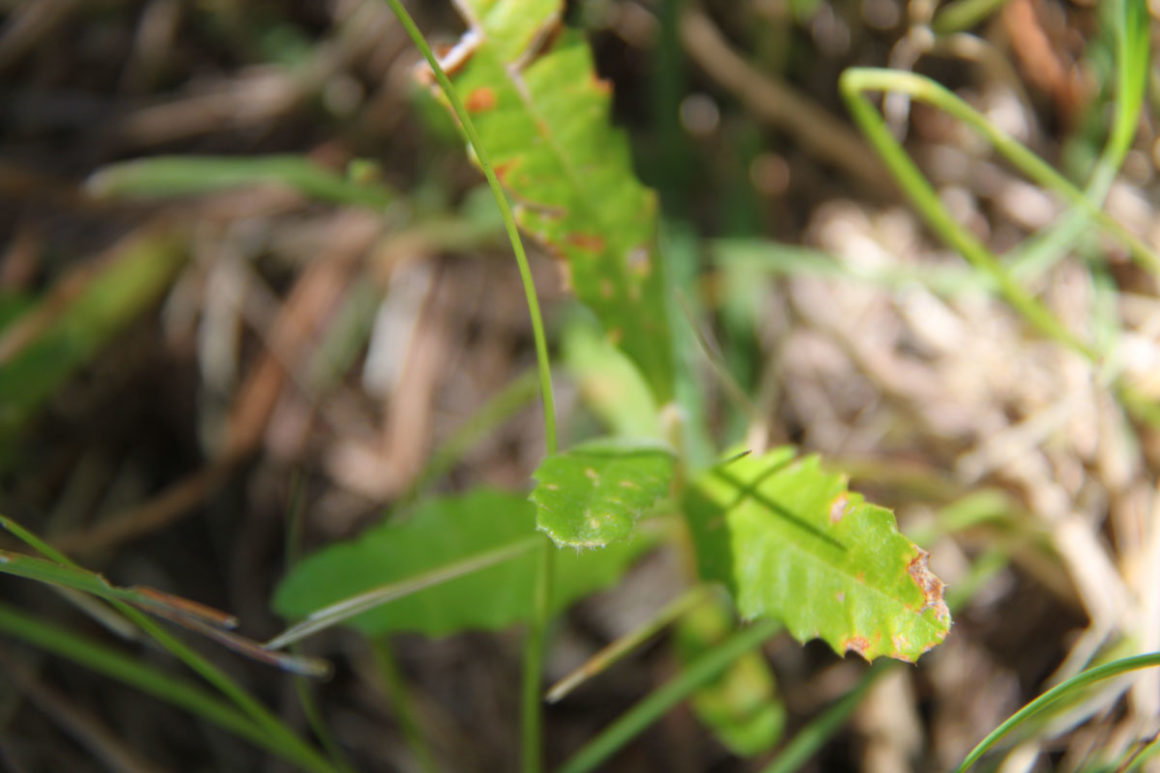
[
  {"x": 654, "y": 705},
  {"x": 534, "y": 649},
  {"x": 401, "y": 702},
  {"x": 302, "y": 686},
  {"x": 509, "y": 221}
]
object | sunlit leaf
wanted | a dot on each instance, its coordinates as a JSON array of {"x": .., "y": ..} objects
[
  {"x": 544, "y": 117},
  {"x": 439, "y": 534},
  {"x": 594, "y": 493},
  {"x": 793, "y": 543}
]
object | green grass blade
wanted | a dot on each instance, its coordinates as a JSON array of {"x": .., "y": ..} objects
[
  {"x": 651, "y": 708},
  {"x": 924, "y": 198},
  {"x": 62, "y": 571},
  {"x": 137, "y": 673},
  {"x": 1054, "y": 695},
  {"x": 183, "y": 175},
  {"x": 963, "y": 14},
  {"x": 814, "y": 736},
  {"x": 857, "y": 80},
  {"x": 51, "y": 342},
  {"x": 531, "y": 705},
  {"x": 619, "y": 649}
]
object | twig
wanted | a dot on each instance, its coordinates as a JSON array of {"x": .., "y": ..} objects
[{"x": 819, "y": 133}]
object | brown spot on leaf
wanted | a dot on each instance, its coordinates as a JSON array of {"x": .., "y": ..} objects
[
  {"x": 639, "y": 261},
  {"x": 480, "y": 100},
  {"x": 616, "y": 335},
  {"x": 589, "y": 242},
  {"x": 858, "y": 644},
  {"x": 838, "y": 507},
  {"x": 503, "y": 169},
  {"x": 606, "y": 289},
  {"x": 931, "y": 586},
  {"x": 565, "y": 274}
]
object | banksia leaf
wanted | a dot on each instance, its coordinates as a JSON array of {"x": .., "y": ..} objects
[{"x": 791, "y": 542}]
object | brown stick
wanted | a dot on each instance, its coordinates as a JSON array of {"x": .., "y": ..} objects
[{"x": 769, "y": 99}]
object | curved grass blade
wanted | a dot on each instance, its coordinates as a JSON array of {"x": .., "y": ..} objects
[
  {"x": 1056, "y": 694},
  {"x": 62, "y": 571},
  {"x": 139, "y": 674}
]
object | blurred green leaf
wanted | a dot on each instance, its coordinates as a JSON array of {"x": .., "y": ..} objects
[
  {"x": 544, "y": 117},
  {"x": 791, "y": 542},
  {"x": 610, "y": 384},
  {"x": 442, "y": 532},
  {"x": 184, "y": 175},
  {"x": 13, "y": 306},
  {"x": 70, "y": 325},
  {"x": 740, "y": 706},
  {"x": 593, "y": 494}
]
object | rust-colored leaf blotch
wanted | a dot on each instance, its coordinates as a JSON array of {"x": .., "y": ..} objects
[
  {"x": 588, "y": 242},
  {"x": 480, "y": 100}
]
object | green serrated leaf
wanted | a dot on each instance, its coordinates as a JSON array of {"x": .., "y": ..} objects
[
  {"x": 740, "y": 706},
  {"x": 793, "y": 543},
  {"x": 593, "y": 494},
  {"x": 441, "y": 533},
  {"x": 544, "y": 117}
]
